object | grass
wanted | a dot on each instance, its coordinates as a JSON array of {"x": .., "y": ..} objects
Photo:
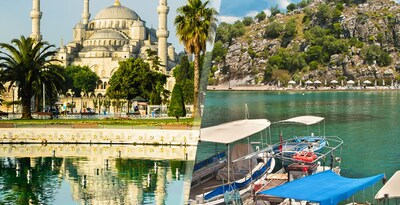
[{"x": 107, "y": 122}]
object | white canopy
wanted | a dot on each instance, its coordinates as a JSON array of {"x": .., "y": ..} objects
[
  {"x": 317, "y": 82},
  {"x": 309, "y": 82},
  {"x": 350, "y": 82},
  {"x": 367, "y": 82},
  {"x": 307, "y": 120},
  {"x": 233, "y": 131},
  {"x": 334, "y": 81},
  {"x": 292, "y": 82},
  {"x": 391, "y": 188}
]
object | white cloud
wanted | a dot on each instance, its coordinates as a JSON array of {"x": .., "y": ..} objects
[
  {"x": 254, "y": 13},
  {"x": 267, "y": 11},
  {"x": 283, "y": 3},
  {"x": 229, "y": 19},
  {"x": 232, "y": 19}
]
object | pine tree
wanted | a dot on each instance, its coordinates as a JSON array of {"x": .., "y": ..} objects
[{"x": 177, "y": 106}]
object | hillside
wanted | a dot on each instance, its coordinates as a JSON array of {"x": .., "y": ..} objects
[{"x": 314, "y": 40}]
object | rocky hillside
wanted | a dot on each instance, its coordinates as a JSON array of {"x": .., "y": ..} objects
[{"x": 322, "y": 40}]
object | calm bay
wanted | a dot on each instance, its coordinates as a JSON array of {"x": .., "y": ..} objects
[{"x": 368, "y": 122}]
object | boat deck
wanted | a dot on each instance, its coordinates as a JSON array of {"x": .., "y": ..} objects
[
  {"x": 204, "y": 188},
  {"x": 273, "y": 180}
]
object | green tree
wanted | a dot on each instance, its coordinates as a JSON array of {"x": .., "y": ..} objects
[
  {"x": 135, "y": 78},
  {"x": 275, "y": 10},
  {"x": 219, "y": 52},
  {"x": 291, "y": 7},
  {"x": 260, "y": 16},
  {"x": 323, "y": 15},
  {"x": 273, "y": 30},
  {"x": 80, "y": 79},
  {"x": 227, "y": 32},
  {"x": 28, "y": 64},
  {"x": 247, "y": 21},
  {"x": 282, "y": 75},
  {"x": 302, "y": 4},
  {"x": 314, "y": 53},
  {"x": 374, "y": 53},
  {"x": 290, "y": 32},
  {"x": 195, "y": 25},
  {"x": 177, "y": 106},
  {"x": 153, "y": 58},
  {"x": 183, "y": 74}
]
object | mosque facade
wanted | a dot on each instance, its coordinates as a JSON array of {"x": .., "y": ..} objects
[{"x": 114, "y": 34}]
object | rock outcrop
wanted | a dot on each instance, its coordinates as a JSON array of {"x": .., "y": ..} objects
[{"x": 374, "y": 22}]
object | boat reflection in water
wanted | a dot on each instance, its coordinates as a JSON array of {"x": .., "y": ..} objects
[{"x": 94, "y": 174}]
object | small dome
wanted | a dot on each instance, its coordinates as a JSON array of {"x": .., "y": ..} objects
[
  {"x": 107, "y": 34},
  {"x": 116, "y": 12},
  {"x": 79, "y": 25}
]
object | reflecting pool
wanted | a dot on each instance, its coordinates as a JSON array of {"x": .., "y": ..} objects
[{"x": 85, "y": 174}]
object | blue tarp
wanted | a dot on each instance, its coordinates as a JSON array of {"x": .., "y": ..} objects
[{"x": 325, "y": 188}]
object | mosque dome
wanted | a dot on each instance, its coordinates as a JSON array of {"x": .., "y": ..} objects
[
  {"x": 116, "y": 12},
  {"x": 107, "y": 34}
]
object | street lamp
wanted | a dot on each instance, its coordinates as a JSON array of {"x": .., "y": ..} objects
[
  {"x": 13, "y": 89},
  {"x": 82, "y": 93},
  {"x": 72, "y": 99}
]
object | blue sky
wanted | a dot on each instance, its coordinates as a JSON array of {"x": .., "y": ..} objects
[
  {"x": 232, "y": 10},
  {"x": 60, "y": 16}
]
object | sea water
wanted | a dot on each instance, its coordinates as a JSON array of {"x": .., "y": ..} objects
[{"x": 368, "y": 122}]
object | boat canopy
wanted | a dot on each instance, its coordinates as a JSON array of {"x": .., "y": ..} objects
[
  {"x": 332, "y": 188},
  {"x": 307, "y": 120},
  {"x": 391, "y": 189},
  {"x": 233, "y": 131}
]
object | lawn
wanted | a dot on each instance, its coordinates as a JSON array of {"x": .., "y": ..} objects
[{"x": 103, "y": 123}]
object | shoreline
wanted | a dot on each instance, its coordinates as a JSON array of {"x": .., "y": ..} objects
[{"x": 310, "y": 88}]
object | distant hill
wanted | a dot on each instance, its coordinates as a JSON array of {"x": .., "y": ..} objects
[{"x": 314, "y": 40}]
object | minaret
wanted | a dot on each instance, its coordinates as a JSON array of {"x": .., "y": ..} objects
[
  {"x": 163, "y": 33},
  {"x": 85, "y": 14},
  {"x": 36, "y": 15}
]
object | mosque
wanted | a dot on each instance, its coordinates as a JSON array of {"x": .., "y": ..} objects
[{"x": 114, "y": 34}]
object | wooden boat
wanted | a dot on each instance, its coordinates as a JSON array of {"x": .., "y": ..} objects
[{"x": 222, "y": 179}]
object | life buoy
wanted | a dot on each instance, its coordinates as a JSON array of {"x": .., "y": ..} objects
[{"x": 305, "y": 156}]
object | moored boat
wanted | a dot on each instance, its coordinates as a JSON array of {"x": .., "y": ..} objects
[{"x": 220, "y": 179}]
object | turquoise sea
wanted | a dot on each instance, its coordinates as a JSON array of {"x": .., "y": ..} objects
[{"x": 368, "y": 122}]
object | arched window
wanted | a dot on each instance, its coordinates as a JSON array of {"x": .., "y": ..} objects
[{"x": 99, "y": 84}]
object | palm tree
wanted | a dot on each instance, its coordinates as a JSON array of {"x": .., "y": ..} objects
[
  {"x": 28, "y": 64},
  {"x": 195, "y": 25}
]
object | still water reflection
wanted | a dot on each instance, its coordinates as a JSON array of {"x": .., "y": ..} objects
[{"x": 107, "y": 177}]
